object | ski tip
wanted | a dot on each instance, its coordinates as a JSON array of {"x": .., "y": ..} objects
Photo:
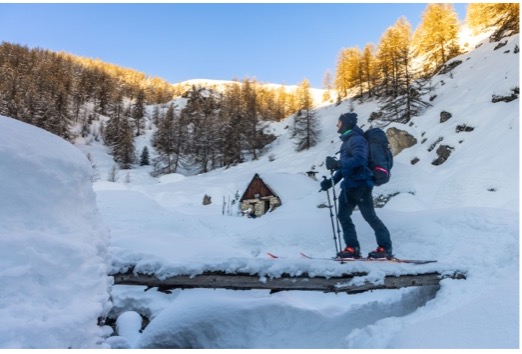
[{"x": 271, "y": 255}]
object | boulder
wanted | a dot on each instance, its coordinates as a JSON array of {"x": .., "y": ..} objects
[{"x": 399, "y": 140}]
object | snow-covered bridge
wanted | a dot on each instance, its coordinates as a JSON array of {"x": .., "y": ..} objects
[{"x": 354, "y": 277}]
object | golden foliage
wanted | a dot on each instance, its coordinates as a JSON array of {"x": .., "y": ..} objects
[
  {"x": 504, "y": 16},
  {"x": 437, "y": 34}
]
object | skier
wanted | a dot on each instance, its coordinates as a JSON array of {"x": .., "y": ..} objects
[{"x": 356, "y": 189}]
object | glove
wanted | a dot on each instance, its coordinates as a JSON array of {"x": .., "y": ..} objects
[
  {"x": 332, "y": 163},
  {"x": 326, "y": 184}
]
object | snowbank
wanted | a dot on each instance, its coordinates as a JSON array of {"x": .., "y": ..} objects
[{"x": 53, "y": 243}]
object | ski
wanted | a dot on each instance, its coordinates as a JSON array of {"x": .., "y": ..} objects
[
  {"x": 347, "y": 260},
  {"x": 391, "y": 260}
]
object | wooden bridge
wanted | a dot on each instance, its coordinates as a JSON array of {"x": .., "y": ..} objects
[{"x": 350, "y": 282}]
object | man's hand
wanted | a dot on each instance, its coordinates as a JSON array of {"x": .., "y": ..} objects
[{"x": 326, "y": 184}]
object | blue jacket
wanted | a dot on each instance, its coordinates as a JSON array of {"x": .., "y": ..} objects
[{"x": 354, "y": 169}]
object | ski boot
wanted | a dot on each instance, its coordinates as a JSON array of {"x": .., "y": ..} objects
[
  {"x": 349, "y": 252},
  {"x": 381, "y": 253}
]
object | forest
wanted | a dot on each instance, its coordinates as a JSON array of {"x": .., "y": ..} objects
[{"x": 65, "y": 94}]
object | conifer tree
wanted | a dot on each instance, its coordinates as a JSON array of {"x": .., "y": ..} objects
[
  {"x": 169, "y": 140},
  {"x": 327, "y": 85},
  {"x": 369, "y": 69},
  {"x": 231, "y": 117},
  {"x": 283, "y": 105},
  {"x": 104, "y": 88},
  {"x": 124, "y": 151},
  {"x": 504, "y": 16},
  {"x": 201, "y": 113},
  {"x": 56, "y": 120},
  {"x": 343, "y": 73},
  {"x": 306, "y": 125},
  {"x": 251, "y": 128},
  {"x": 119, "y": 137},
  {"x": 144, "y": 157},
  {"x": 404, "y": 87},
  {"x": 156, "y": 115},
  {"x": 111, "y": 130},
  {"x": 436, "y": 36},
  {"x": 394, "y": 53},
  {"x": 138, "y": 112},
  {"x": 350, "y": 72}
]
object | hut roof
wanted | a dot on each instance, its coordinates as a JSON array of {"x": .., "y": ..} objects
[
  {"x": 257, "y": 187},
  {"x": 288, "y": 186}
]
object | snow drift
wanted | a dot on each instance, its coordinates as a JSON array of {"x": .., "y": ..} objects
[{"x": 53, "y": 243}]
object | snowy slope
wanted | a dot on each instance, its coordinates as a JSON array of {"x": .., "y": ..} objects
[{"x": 463, "y": 213}]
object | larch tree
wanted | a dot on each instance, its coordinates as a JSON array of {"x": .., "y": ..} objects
[
  {"x": 369, "y": 68},
  {"x": 119, "y": 137},
  {"x": 342, "y": 84},
  {"x": 405, "y": 87},
  {"x": 327, "y": 85},
  {"x": 231, "y": 117},
  {"x": 306, "y": 125},
  {"x": 111, "y": 130},
  {"x": 201, "y": 112},
  {"x": 138, "y": 112},
  {"x": 168, "y": 141},
  {"x": 436, "y": 36},
  {"x": 392, "y": 54},
  {"x": 505, "y": 17},
  {"x": 282, "y": 108},
  {"x": 349, "y": 74},
  {"x": 250, "y": 116},
  {"x": 124, "y": 152}
]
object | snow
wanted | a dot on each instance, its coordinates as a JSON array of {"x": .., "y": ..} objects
[
  {"x": 53, "y": 254},
  {"x": 60, "y": 235}
]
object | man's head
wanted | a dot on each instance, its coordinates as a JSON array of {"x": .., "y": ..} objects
[{"x": 346, "y": 122}]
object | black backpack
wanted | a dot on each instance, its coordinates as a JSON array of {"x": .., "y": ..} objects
[{"x": 380, "y": 158}]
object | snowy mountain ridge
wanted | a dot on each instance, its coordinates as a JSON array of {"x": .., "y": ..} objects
[{"x": 220, "y": 86}]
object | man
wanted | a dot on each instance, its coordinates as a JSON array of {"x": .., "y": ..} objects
[{"x": 356, "y": 189}]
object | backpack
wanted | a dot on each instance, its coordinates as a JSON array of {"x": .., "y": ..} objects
[{"x": 380, "y": 158}]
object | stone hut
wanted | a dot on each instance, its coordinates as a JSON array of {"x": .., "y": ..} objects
[{"x": 259, "y": 198}]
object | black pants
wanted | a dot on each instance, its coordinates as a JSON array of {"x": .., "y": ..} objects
[{"x": 361, "y": 197}]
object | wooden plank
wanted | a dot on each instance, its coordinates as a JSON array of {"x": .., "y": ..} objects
[{"x": 347, "y": 283}]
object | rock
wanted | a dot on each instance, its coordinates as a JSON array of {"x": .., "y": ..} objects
[
  {"x": 399, "y": 140},
  {"x": 445, "y": 116},
  {"x": 444, "y": 152}
]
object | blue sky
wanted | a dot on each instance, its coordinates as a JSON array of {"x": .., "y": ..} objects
[{"x": 272, "y": 42}]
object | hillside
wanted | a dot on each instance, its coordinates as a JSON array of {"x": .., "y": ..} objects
[{"x": 463, "y": 212}]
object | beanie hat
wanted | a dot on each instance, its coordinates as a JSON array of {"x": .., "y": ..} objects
[{"x": 348, "y": 121}]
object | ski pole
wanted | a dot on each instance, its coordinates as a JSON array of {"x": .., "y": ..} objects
[
  {"x": 337, "y": 249},
  {"x": 336, "y": 212}
]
